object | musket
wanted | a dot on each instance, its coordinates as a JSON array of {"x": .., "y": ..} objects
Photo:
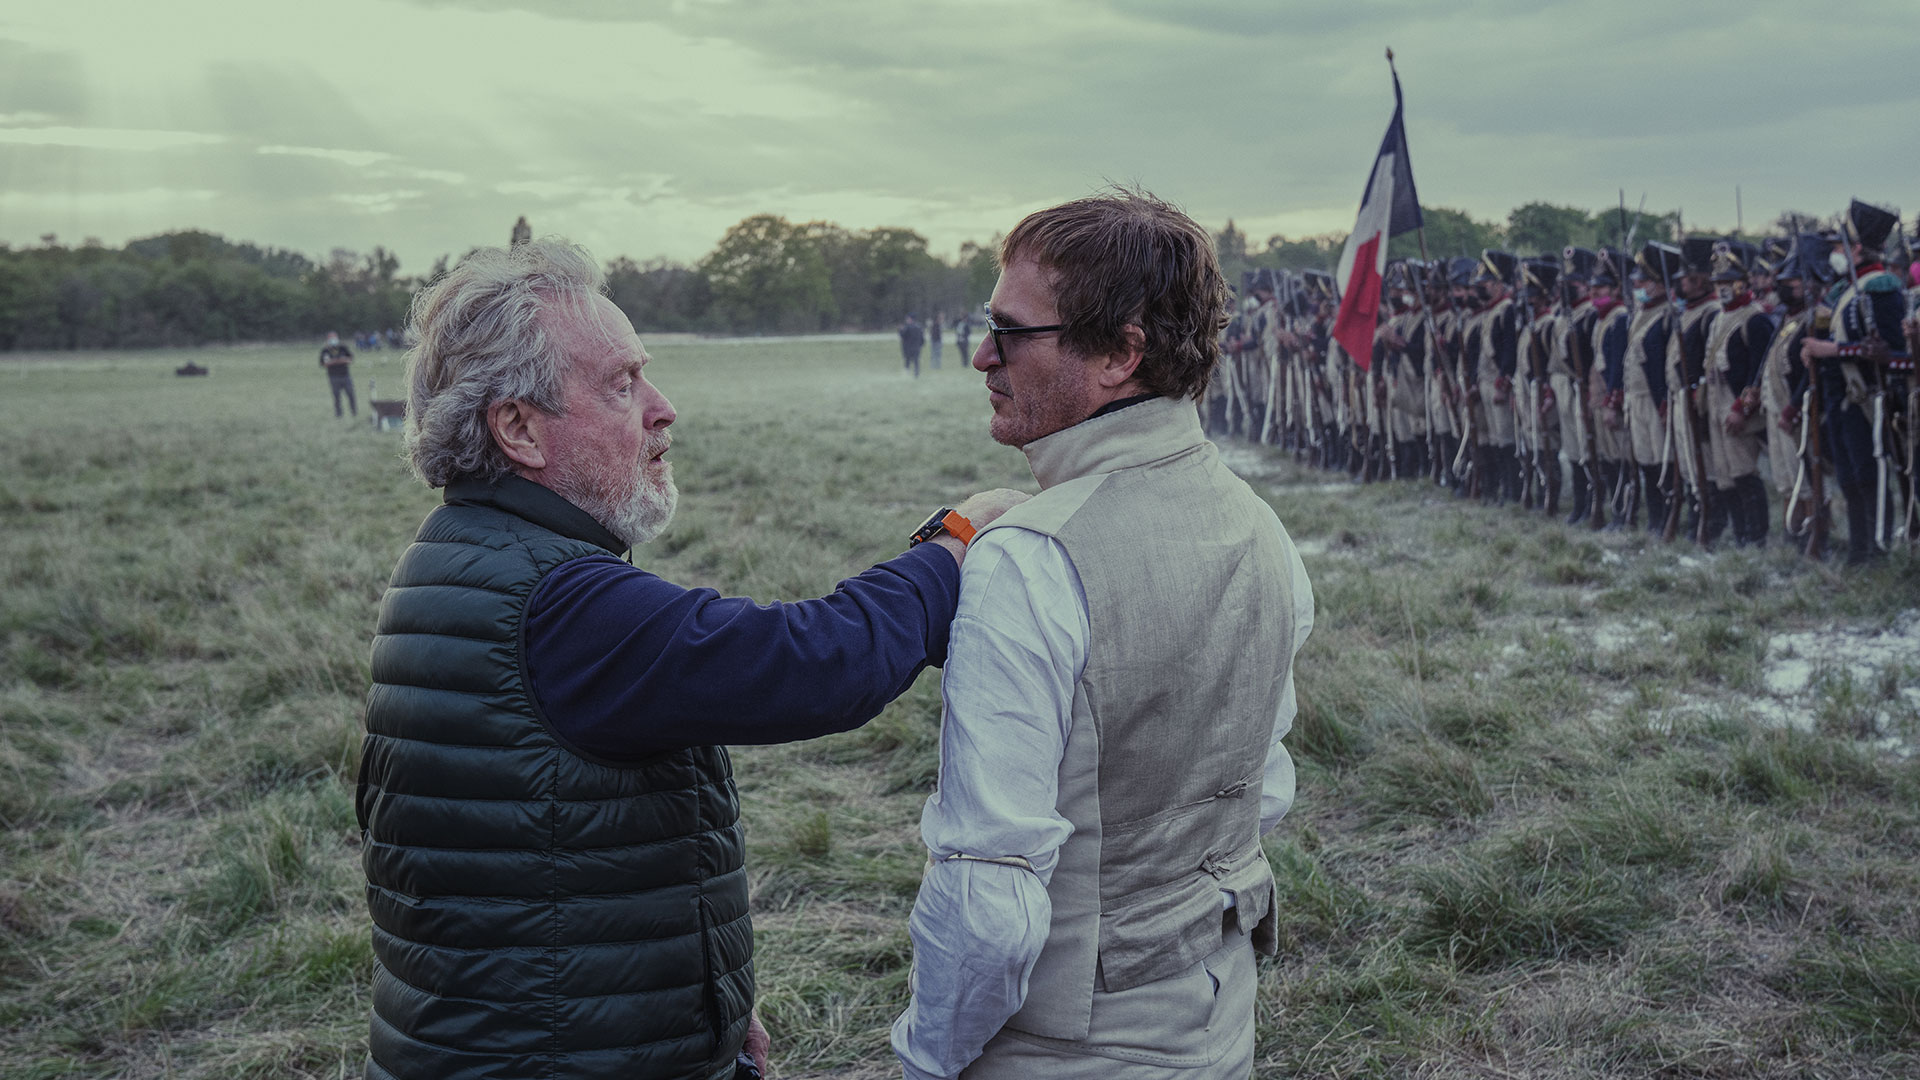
[
  {"x": 1585, "y": 416},
  {"x": 1812, "y": 466},
  {"x": 1530, "y": 491},
  {"x": 1628, "y": 496},
  {"x": 1881, "y": 495},
  {"x": 1426, "y": 396},
  {"x": 1676, "y": 399}
]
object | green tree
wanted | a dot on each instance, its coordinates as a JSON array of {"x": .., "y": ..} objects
[
  {"x": 1450, "y": 233},
  {"x": 1545, "y": 229},
  {"x": 767, "y": 275}
]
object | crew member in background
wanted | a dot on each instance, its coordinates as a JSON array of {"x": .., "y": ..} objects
[
  {"x": 912, "y": 339},
  {"x": 336, "y": 359}
]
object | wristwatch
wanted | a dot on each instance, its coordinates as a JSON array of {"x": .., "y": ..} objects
[{"x": 944, "y": 520}]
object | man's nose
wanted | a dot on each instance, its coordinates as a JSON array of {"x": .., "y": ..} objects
[
  {"x": 985, "y": 356},
  {"x": 660, "y": 412}
]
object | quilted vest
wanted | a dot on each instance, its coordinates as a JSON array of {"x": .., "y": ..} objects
[{"x": 536, "y": 913}]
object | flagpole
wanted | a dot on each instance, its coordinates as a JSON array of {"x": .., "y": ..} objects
[{"x": 1436, "y": 363}]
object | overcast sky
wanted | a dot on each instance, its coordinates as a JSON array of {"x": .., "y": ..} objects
[{"x": 646, "y": 128}]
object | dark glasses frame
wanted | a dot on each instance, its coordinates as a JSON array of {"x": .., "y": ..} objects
[{"x": 996, "y": 332}]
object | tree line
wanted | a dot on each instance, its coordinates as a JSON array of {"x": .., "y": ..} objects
[
  {"x": 1532, "y": 229},
  {"x": 766, "y": 275}
]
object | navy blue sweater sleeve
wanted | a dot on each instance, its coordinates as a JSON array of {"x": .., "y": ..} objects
[{"x": 626, "y": 664}]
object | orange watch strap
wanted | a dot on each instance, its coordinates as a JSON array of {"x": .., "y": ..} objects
[{"x": 960, "y": 528}]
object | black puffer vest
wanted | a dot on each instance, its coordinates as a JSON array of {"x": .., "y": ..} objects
[{"x": 537, "y": 913}]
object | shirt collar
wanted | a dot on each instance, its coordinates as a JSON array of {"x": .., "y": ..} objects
[
  {"x": 537, "y": 503},
  {"x": 1123, "y": 437}
]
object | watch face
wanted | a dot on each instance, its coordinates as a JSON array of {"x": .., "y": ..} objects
[{"x": 933, "y": 526}]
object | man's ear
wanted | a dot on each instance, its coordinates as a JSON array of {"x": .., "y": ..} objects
[
  {"x": 517, "y": 430},
  {"x": 1116, "y": 368}
]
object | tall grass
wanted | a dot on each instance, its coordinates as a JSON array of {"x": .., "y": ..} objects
[{"x": 1516, "y": 850}]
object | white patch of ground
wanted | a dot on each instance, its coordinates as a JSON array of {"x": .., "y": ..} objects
[
  {"x": 1794, "y": 659},
  {"x": 1876, "y": 669}
]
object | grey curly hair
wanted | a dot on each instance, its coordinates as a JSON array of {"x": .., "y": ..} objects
[{"x": 479, "y": 338}]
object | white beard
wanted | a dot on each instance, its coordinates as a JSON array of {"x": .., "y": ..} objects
[{"x": 632, "y": 508}]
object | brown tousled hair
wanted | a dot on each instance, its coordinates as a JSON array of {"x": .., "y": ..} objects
[{"x": 1123, "y": 256}]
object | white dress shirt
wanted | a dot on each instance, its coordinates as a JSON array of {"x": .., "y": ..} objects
[{"x": 1017, "y": 650}]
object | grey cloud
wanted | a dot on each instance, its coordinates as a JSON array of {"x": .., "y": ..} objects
[
  {"x": 52, "y": 84},
  {"x": 277, "y": 105}
]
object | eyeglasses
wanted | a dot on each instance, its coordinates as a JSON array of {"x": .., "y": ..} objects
[{"x": 996, "y": 331}]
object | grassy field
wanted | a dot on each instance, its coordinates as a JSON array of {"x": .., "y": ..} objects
[{"x": 1570, "y": 804}]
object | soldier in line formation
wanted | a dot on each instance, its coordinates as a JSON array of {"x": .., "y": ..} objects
[{"x": 1645, "y": 389}]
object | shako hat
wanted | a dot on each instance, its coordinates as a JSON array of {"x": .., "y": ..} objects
[
  {"x": 1460, "y": 270},
  {"x": 1658, "y": 262},
  {"x": 1774, "y": 251},
  {"x": 1609, "y": 266},
  {"x": 1871, "y": 224},
  {"x": 1732, "y": 260},
  {"x": 1541, "y": 275},
  {"x": 1320, "y": 283},
  {"x": 1696, "y": 255},
  {"x": 1578, "y": 262},
  {"x": 1264, "y": 280},
  {"x": 1807, "y": 261},
  {"x": 1497, "y": 265}
]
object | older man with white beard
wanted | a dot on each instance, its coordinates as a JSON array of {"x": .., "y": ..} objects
[{"x": 554, "y": 857}]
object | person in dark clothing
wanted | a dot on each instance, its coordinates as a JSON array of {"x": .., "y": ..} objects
[
  {"x": 912, "y": 340},
  {"x": 336, "y": 359},
  {"x": 554, "y": 858}
]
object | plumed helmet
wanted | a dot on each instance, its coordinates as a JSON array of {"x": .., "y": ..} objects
[
  {"x": 1732, "y": 260},
  {"x": 1871, "y": 224},
  {"x": 1578, "y": 263}
]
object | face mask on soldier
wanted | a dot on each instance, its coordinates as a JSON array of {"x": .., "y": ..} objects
[
  {"x": 1838, "y": 260},
  {"x": 1725, "y": 290},
  {"x": 1641, "y": 296}
]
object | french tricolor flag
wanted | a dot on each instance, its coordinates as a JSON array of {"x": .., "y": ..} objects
[{"x": 1389, "y": 207}]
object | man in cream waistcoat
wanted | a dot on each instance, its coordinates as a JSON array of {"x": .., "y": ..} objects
[{"x": 1117, "y": 686}]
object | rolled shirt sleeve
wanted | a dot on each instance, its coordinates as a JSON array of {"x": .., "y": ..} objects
[
  {"x": 1276, "y": 789},
  {"x": 1016, "y": 651}
]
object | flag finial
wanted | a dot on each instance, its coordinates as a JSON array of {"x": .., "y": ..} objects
[{"x": 1389, "y": 54}]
